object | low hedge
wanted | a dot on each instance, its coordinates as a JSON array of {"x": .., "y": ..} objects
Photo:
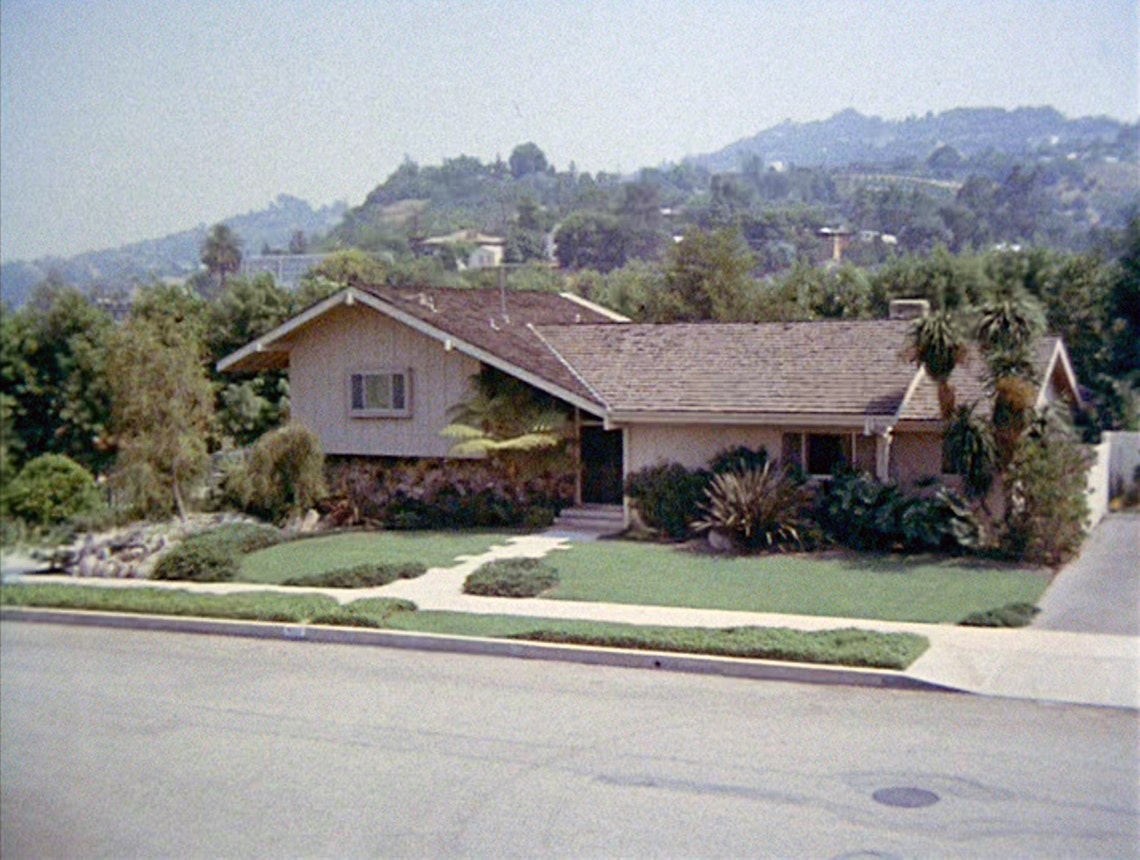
[
  {"x": 511, "y": 577},
  {"x": 1010, "y": 615},
  {"x": 360, "y": 576},
  {"x": 214, "y": 555}
]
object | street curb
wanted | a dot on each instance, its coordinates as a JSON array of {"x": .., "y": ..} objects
[{"x": 732, "y": 667}]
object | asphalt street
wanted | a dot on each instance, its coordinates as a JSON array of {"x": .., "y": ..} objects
[{"x": 137, "y": 744}]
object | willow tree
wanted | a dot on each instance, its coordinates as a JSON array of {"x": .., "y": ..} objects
[{"x": 162, "y": 409}]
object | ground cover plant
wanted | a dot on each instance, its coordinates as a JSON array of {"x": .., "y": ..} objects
[
  {"x": 838, "y": 584},
  {"x": 325, "y": 553},
  {"x": 511, "y": 577},
  {"x": 360, "y": 576},
  {"x": 214, "y": 555},
  {"x": 834, "y": 647}
]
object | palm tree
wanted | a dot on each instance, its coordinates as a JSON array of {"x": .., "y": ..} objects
[
  {"x": 970, "y": 451},
  {"x": 221, "y": 253},
  {"x": 937, "y": 346}
]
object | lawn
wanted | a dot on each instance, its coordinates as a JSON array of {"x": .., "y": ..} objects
[
  {"x": 332, "y": 552},
  {"x": 841, "y": 585}
]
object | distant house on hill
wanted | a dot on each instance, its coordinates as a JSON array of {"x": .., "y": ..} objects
[
  {"x": 374, "y": 372},
  {"x": 286, "y": 269},
  {"x": 473, "y": 250}
]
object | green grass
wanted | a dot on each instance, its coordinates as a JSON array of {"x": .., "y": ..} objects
[
  {"x": 331, "y": 552},
  {"x": 840, "y": 585},
  {"x": 835, "y": 647}
]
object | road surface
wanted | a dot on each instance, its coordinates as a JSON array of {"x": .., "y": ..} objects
[{"x": 132, "y": 744}]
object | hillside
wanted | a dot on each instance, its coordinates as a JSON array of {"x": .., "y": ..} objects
[
  {"x": 850, "y": 138},
  {"x": 173, "y": 256}
]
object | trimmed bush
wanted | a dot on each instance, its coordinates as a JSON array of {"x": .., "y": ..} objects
[
  {"x": 668, "y": 496},
  {"x": 52, "y": 489},
  {"x": 197, "y": 562},
  {"x": 213, "y": 556},
  {"x": 511, "y": 577},
  {"x": 739, "y": 459},
  {"x": 1011, "y": 615},
  {"x": 360, "y": 576}
]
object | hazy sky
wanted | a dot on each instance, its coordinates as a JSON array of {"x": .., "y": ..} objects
[{"x": 123, "y": 120}]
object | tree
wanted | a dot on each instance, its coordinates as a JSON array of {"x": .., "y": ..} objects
[
  {"x": 592, "y": 240},
  {"x": 510, "y": 422},
  {"x": 706, "y": 278},
  {"x": 937, "y": 346},
  {"x": 52, "y": 354},
  {"x": 526, "y": 159},
  {"x": 221, "y": 253},
  {"x": 162, "y": 409}
]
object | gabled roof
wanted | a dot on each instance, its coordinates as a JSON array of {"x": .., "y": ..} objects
[
  {"x": 833, "y": 371},
  {"x": 1050, "y": 361},
  {"x": 489, "y": 325}
]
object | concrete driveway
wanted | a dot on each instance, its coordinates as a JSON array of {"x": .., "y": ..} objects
[{"x": 1100, "y": 591}]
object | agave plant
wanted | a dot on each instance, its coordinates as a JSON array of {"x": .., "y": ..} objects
[{"x": 756, "y": 508}]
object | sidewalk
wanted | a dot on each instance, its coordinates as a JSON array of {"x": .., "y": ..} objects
[{"x": 1022, "y": 663}]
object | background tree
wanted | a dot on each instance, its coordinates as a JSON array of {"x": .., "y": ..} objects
[
  {"x": 221, "y": 253},
  {"x": 52, "y": 354},
  {"x": 162, "y": 409},
  {"x": 527, "y": 159},
  {"x": 706, "y": 278}
]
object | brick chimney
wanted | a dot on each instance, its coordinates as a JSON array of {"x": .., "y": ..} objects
[{"x": 909, "y": 309}]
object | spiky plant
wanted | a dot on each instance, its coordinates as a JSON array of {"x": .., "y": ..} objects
[
  {"x": 937, "y": 346},
  {"x": 971, "y": 452},
  {"x": 757, "y": 508}
]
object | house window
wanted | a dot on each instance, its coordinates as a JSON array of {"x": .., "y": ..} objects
[
  {"x": 822, "y": 453},
  {"x": 826, "y": 452},
  {"x": 381, "y": 394}
]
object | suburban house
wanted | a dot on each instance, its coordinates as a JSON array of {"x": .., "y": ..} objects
[{"x": 375, "y": 371}]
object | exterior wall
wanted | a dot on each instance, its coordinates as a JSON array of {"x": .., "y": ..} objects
[
  {"x": 915, "y": 456},
  {"x": 354, "y": 339},
  {"x": 692, "y": 445},
  {"x": 1123, "y": 460}
]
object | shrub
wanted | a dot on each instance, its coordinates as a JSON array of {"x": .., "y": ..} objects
[
  {"x": 1010, "y": 615},
  {"x": 861, "y": 512},
  {"x": 668, "y": 497},
  {"x": 434, "y": 494},
  {"x": 511, "y": 577},
  {"x": 757, "y": 508},
  {"x": 283, "y": 475},
  {"x": 360, "y": 576},
  {"x": 197, "y": 562},
  {"x": 738, "y": 459},
  {"x": 213, "y": 556},
  {"x": 53, "y": 489},
  {"x": 1046, "y": 507}
]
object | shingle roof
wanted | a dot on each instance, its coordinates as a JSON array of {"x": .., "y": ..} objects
[
  {"x": 969, "y": 383},
  {"x": 500, "y": 324},
  {"x": 856, "y": 368}
]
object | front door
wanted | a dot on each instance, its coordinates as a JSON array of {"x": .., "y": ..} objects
[{"x": 601, "y": 466}]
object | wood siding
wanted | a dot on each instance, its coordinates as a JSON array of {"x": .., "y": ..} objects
[{"x": 353, "y": 339}]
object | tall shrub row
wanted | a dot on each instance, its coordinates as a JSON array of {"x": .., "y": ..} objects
[{"x": 398, "y": 494}]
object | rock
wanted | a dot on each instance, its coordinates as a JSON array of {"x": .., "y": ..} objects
[{"x": 720, "y": 541}]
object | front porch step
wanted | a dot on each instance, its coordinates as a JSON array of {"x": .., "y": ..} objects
[{"x": 604, "y": 519}]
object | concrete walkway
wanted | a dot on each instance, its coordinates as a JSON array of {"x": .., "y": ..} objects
[{"x": 1026, "y": 663}]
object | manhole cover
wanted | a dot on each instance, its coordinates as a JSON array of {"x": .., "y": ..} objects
[{"x": 906, "y": 797}]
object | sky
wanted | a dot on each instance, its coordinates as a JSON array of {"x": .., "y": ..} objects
[{"x": 123, "y": 120}]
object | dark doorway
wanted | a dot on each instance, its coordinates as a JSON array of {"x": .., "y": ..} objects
[{"x": 601, "y": 466}]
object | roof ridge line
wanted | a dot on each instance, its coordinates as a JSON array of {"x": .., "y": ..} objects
[{"x": 573, "y": 371}]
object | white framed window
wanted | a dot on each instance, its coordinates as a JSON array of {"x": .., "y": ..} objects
[
  {"x": 380, "y": 394},
  {"x": 819, "y": 454}
]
